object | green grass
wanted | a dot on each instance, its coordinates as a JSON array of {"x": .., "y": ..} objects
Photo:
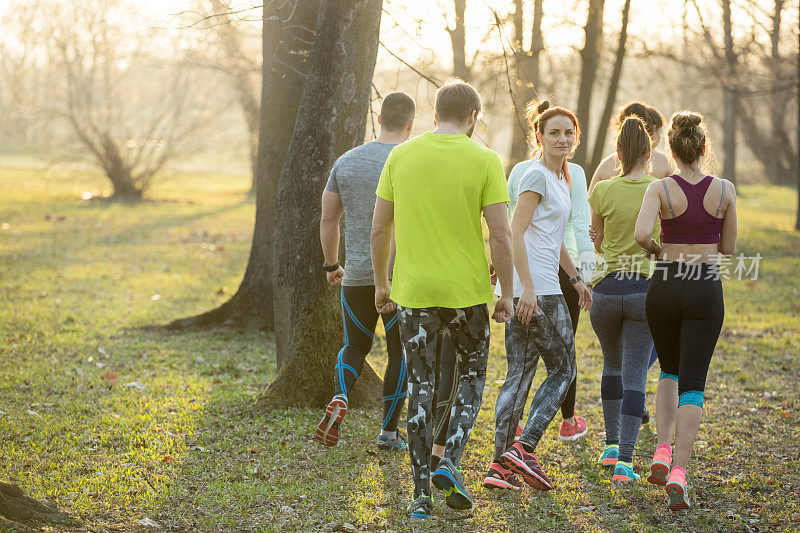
[{"x": 80, "y": 279}]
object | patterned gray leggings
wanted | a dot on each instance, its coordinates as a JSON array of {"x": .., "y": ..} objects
[{"x": 549, "y": 336}]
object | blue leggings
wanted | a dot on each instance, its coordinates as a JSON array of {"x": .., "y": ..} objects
[{"x": 360, "y": 318}]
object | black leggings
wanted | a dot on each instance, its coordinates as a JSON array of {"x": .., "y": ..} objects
[
  {"x": 360, "y": 318},
  {"x": 685, "y": 310},
  {"x": 571, "y": 297}
]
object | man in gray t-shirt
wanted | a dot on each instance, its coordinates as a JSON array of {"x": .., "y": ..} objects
[
  {"x": 350, "y": 191},
  {"x": 354, "y": 177}
]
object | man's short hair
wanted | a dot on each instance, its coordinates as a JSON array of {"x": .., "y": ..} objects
[
  {"x": 456, "y": 100},
  {"x": 396, "y": 110}
]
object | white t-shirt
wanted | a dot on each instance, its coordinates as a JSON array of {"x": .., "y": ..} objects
[{"x": 545, "y": 233}]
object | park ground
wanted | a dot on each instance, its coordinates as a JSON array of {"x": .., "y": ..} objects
[{"x": 128, "y": 427}]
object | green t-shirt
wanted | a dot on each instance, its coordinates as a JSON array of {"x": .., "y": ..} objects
[
  {"x": 618, "y": 201},
  {"x": 439, "y": 185}
]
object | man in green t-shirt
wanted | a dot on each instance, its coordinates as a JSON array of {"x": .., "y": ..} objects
[{"x": 433, "y": 190}]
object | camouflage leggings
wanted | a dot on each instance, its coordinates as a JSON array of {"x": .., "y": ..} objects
[
  {"x": 549, "y": 336},
  {"x": 468, "y": 329}
]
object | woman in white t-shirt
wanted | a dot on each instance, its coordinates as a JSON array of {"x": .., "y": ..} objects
[{"x": 541, "y": 327}]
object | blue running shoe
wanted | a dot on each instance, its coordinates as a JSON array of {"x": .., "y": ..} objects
[
  {"x": 451, "y": 480},
  {"x": 624, "y": 472},
  {"x": 397, "y": 445},
  {"x": 421, "y": 508},
  {"x": 609, "y": 456}
]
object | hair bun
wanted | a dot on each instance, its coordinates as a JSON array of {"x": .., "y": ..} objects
[
  {"x": 686, "y": 121},
  {"x": 542, "y": 107}
]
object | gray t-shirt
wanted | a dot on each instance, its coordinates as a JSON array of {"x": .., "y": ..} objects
[{"x": 354, "y": 177}]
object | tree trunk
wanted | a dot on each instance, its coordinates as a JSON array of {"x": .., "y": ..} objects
[
  {"x": 459, "y": 42},
  {"x": 590, "y": 60},
  {"x": 780, "y": 97},
  {"x": 239, "y": 69},
  {"x": 797, "y": 222},
  {"x": 611, "y": 96},
  {"x": 285, "y": 52},
  {"x": 122, "y": 183},
  {"x": 19, "y": 512},
  {"x": 332, "y": 119},
  {"x": 527, "y": 66},
  {"x": 730, "y": 96}
]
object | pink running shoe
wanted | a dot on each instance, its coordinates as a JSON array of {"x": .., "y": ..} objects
[
  {"x": 659, "y": 468},
  {"x": 526, "y": 465},
  {"x": 501, "y": 478},
  {"x": 677, "y": 490},
  {"x": 328, "y": 429},
  {"x": 569, "y": 433}
]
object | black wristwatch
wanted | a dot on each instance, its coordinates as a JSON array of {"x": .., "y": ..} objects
[
  {"x": 576, "y": 279},
  {"x": 329, "y": 268}
]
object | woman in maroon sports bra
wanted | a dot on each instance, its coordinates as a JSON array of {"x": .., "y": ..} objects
[{"x": 684, "y": 305}]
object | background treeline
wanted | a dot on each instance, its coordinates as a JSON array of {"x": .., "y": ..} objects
[{"x": 104, "y": 83}]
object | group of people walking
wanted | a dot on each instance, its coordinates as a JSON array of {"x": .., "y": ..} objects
[{"x": 416, "y": 255}]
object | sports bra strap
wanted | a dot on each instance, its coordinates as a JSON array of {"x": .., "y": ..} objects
[
  {"x": 721, "y": 200},
  {"x": 669, "y": 201}
]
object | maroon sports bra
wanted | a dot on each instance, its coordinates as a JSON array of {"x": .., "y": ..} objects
[{"x": 695, "y": 225}]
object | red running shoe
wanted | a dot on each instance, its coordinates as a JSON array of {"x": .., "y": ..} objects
[
  {"x": 527, "y": 466},
  {"x": 501, "y": 478},
  {"x": 569, "y": 433},
  {"x": 328, "y": 429},
  {"x": 518, "y": 434}
]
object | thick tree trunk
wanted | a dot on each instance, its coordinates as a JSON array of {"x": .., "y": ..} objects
[
  {"x": 611, "y": 95},
  {"x": 332, "y": 119},
  {"x": 730, "y": 96},
  {"x": 458, "y": 39},
  {"x": 19, "y": 512},
  {"x": 285, "y": 53},
  {"x": 123, "y": 186},
  {"x": 590, "y": 60},
  {"x": 527, "y": 66}
]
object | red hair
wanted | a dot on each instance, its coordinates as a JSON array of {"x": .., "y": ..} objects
[{"x": 538, "y": 114}]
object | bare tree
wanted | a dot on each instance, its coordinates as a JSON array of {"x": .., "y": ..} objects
[
  {"x": 458, "y": 41},
  {"x": 730, "y": 97},
  {"x": 240, "y": 69},
  {"x": 18, "y": 70},
  {"x": 765, "y": 134},
  {"x": 128, "y": 126},
  {"x": 526, "y": 61},
  {"x": 611, "y": 95},
  {"x": 590, "y": 60},
  {"x": 331, "y": 120},
  {"x": 287, "y": 41}
]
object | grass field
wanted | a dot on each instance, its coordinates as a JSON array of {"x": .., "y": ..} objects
[{"x": 118, "y": 423}]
